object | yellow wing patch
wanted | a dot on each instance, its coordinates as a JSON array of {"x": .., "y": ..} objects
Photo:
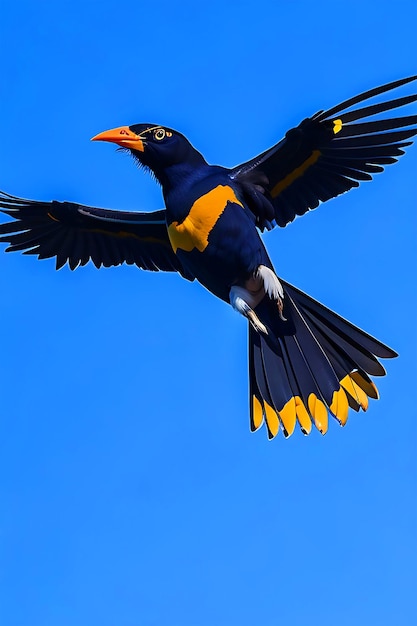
[
  {"x": 337, "y": 126},
  {"x": 292, "y": 176},
  {"x": 194, "y": 231}
]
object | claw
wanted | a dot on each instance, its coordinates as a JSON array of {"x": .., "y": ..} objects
[
  {"x": 280, "y": 305},
  {"x": 242, "y": 307},
  {"x": 256, "y": 322},
  {"x": 246, "y": 299}
]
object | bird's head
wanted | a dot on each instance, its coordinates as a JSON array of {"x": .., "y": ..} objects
[{"x": 157, "y": 147}]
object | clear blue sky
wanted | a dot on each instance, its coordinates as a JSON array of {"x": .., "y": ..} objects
[{"x": 132, "y": 492}]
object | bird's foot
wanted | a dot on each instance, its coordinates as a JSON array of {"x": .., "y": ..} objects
[
  {"x": 280, "y": 305},
  {"x": 242, "y": 307}
]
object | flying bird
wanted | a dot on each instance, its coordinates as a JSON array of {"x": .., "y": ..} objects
[{"x": 305, "y": 361}]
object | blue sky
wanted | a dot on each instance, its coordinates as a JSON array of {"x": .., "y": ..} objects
[{"x": 132, "y": 492}]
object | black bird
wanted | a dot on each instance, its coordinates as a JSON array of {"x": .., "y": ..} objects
[{"x": 304, "y": 360}]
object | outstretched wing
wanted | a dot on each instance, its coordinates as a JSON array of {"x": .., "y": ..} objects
[
  {"x": 326, "y": 155},
  {"x": 76, "y": 233}
]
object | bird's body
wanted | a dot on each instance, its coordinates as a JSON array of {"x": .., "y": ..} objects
[
  {"x": 217, "y": 241},
  {"x": 304, "y": 360}
]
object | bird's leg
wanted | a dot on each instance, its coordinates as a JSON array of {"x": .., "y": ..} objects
[
  {"x": 239, "y": 297},
  {"x": 245, "y": 299},
  {"x": 271, "y": 286}
]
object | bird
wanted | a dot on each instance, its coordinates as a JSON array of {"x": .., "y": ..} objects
[{"x": 306, "y": 362}]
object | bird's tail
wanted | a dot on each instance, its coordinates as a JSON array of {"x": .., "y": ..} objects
[{"x": 311, "y": 363}]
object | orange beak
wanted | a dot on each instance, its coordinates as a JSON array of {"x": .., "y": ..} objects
[{"x": 123, "y": 136}]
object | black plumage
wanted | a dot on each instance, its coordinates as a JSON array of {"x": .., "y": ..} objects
[{"x": 305, "y": 361}]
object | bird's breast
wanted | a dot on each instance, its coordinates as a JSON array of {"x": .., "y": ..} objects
[{"x": 194, "y": 230}]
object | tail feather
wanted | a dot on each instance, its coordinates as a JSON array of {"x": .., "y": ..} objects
[
  {"x": 256, "y": 404},
  {"x": 338, "y": 323},
  {"x": 295, "y": 411},
  {"x": 314, "y": 363},
  {"x": 314, "y": 355},
  {"x": 268, "y": 410},
  {"x": 354, "y": 391},
  {"x": 279, "y": 387},
  {"x": 309, "y": 387},
  {"x": 348, "y": 347},
  {"x": 365, "y": 383}
]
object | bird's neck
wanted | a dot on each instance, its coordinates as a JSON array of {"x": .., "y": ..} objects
[
  {"x": 178, "y": 182},
  {"x": 183, "y": 173},
  {"x": 189, "y": 186}
]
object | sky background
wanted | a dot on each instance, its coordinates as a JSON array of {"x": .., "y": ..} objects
[{"x": 131, "y": 490}]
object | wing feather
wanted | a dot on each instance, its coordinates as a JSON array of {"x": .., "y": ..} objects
[
  {"x": 326, "y": 155},
  {"x": 75, "y": 234}
]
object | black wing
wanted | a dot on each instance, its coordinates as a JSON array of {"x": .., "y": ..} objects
[
  {"x": 325, "y": 156},
  {"x": 76, "y": 233}
]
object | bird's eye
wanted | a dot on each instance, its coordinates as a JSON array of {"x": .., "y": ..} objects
[{"x": 159, "y": 134}]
